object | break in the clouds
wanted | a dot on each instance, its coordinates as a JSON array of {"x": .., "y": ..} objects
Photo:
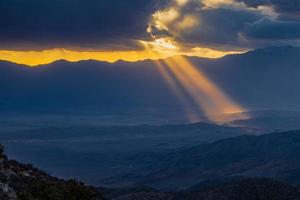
[
  {"x": 229, "y": 23},
  {"x": 289, "y": 7},
  {"x": 119, "y": 24}
]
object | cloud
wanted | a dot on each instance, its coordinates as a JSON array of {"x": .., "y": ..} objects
[
  {"x": 273, "y": 30},
  {"x": 227, "y": 23},
  {"x": 281, "y": 6},
  {"x": 203, "y": 23},
  {"x": 120, "y": 24},
  {"x": 220, "y": 27},
  {"x": 108, "y": 24}
]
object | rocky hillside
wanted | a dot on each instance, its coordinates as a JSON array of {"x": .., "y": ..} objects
[{"x": 24, "y": 182}]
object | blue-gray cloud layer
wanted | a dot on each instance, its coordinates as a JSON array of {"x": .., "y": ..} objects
[
  {"x": 116, "y": 24},
  {"x": 281, "y": 6},
  {"x": 242, "y": 23},
  {"x": 73, "y": 23}
]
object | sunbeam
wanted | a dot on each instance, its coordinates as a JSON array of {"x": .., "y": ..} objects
[
  {"x": 192, "y": 87},
  {"x": 209, "y": 97},
  {"x": 191, "y": 114}
]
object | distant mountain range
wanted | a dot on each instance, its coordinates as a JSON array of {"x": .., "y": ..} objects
[
  {"x": 199, "y": 158},
  {"x": 272, "y": 155},
  {"x": 93, "y": 153},
  {"x": 25, "y": 182},
  {"x": 262, "y": 78}
]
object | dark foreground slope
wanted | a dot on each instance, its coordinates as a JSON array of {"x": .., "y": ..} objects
[
  {"x": 272, "y": 155},
  {"x": 24, "y": 182},
  {"x": 246, "y": 189},
  {"x": 93, "y": 153}
]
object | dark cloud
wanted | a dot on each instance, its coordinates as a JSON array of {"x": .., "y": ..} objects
[
  {"x": 281, "y": 6},
  {"x": 220, "y": 26},
  {"x": 117, "y": 24},
  {"x": 273, "y": 30},
  {"x": 73, "y": 23},
  {"x": 235, "y": 25}
]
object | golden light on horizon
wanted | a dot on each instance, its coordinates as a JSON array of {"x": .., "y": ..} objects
[
  {"x": 160, "y": 48},
  {"x": 34, "y": 58},
  {"x": 188, "y": 83}
]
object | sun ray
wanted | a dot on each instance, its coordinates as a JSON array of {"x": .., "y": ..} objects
[
  {"x": 212, "y": 100},
  {"x": 191, "y": 114}
]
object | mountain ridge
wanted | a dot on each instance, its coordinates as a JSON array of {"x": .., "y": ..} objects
[
  {"x": 272, "y": 155},
  {"x": 140, "y": 85},
  {"x": 24, "y": 182},
  {"x": 258, "y": 50}
]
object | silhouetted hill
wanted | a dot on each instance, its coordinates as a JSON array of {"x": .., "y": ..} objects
[
  {"x": 24, "y": 182},
  {"x": 93, "y": 153},
  {"x": 272, "y": 155},
  {"x": 246, "y": 189},
  {"x": 82, "y": 84},
  {"x": 263, "y": 78}
]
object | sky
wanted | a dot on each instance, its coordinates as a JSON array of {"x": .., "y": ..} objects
[{"x": 37, "y": 32}]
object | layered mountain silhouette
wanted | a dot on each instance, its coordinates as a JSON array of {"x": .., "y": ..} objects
[
  {"x": 25, "y": 182},
  {"x": 262, "y": 78},
  {"x": 205, "y": 166},
  {"x": 272, "y": 155},
  {"x": 245, "y": 189}
]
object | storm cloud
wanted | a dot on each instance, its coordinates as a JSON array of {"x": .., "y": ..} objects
[
  {"x": 118, "y": 24},
  {"x": 231, "y": 23},
  {"x": 34, "y": 24},
  {"x": 271, "y": 30},
  {"x": 281, "y": 6}
]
